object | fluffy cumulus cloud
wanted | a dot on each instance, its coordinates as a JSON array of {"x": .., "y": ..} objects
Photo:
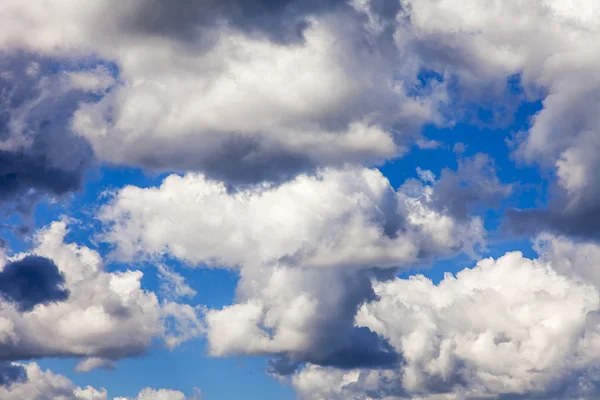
[
  {"x": 98, "y": 315},
  {"x": 276, "y": 88},
  {"x": 46, "y": 385},
  {"x": 307, "y": 251},
  {"x": 509, "y": 328}
]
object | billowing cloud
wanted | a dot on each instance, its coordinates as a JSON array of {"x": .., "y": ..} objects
[
  {"x": 510, "y": 327},
  {"x": 242, "y": 88},
  {"x": 107, "y": 315},
  {"x": 307, "y": 251},
  {"x": 350, "y": 217}
]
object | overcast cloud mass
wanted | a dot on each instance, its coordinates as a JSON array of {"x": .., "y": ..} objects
[{"x": 368, "y": 199}]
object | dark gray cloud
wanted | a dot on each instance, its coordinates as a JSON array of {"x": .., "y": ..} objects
[
  {"x": 361, "y": 349},
  {"x": 473, "y": 184},
  {"x": 282, "y": 366},
  {"x": 280, "y": 20},
  {"x": 10, "y": 373},
  {"x": 31, "y": 281},
  {"x": 336, "y": 341},
  {"x": 579, "y": 218},
  {"x": 39, "y": 155}
]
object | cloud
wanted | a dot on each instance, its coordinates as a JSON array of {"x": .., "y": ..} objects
[
  {"x": 46, "y": 385},
  {"x": 11, "y": 374},
  {"x": 473, "y": 184},
  {"x": 39, "y": 154},
  {"x": 106, "y": 317},
  {"x": 272, "y": 106},
  {"x": 510, "y": 327},
  {"x": 174, "y": 285},
  {"x": 307, "y": 252},
  {"x": 551, "y": 46},
  {"x": 31, "y": 281},
  {"x": 349, "y": 217},
  {"x": 281, "y": 21},
  {"x": 91, "y": 363}
]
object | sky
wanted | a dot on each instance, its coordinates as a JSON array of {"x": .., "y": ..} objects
[{"x": 312, "y": 200}]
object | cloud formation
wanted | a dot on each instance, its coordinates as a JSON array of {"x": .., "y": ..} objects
[
  {"x": 510, "y": 327},
  {"x": 46, "y": 385},
  {"x": 273, "y": 112},
  {"x": 107, "y": 315},
  {"x": 307, "y": 251},
  {"x": 241, "y": 88}
]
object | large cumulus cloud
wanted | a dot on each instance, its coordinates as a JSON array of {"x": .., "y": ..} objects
[
  {"x": 307, "y": 251},
  {"x": 272, "y": 107},
  {"x": 510, "y": 327}
]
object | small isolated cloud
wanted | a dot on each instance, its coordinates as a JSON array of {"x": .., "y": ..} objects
[
  {"x": 173, "y": 284},
  {"x": 425, "y": 144},
  {"x": 459, "y": 148},
  {"x": 92, "y": 363},
  {"x": 425, "y": 175}
]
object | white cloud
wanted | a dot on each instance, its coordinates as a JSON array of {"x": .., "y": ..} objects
[
  {"x": 92, "y": 363},
  {"x": 509, "y": 326},
  {"x": 191, "y": 93},
  {"x": 349, "y": 217},
  {"x": 173, "y": 284},
  {"x": 306, "y": 249},
  {"x": 106, "y": 317},
  {"x": 46, "y": 385}
]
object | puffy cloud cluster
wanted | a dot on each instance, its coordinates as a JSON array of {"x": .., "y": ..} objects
[
  {"x": 46, "y": 385},
  {"x": 105, "y": 316},
  {"x": 510, "y": 327},
  {"x": 300, "y": 94},
  {"x": 211, "y": 81},
  {"x": 306, "y": 249}
]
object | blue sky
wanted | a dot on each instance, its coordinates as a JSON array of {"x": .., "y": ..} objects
[{"x": 312, "y": 200}]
